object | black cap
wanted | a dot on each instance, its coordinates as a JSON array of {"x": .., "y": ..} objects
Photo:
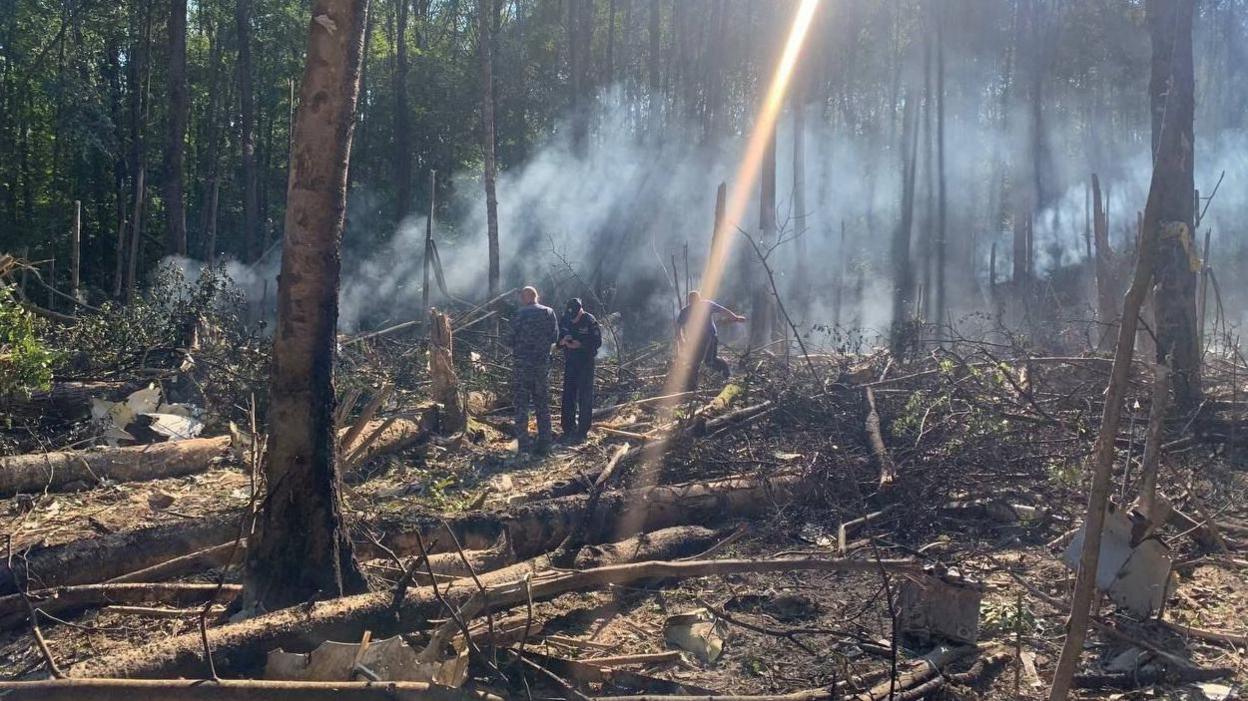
[{"x": 573, "y": 306}]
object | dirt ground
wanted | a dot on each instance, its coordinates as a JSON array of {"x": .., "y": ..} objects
[{"x": 789, "y": 631}]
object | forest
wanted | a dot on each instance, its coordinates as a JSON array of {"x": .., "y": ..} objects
[{"x": 623, "y": 349}]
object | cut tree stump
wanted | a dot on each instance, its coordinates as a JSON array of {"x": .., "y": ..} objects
[{"x": 446, "y": 389}]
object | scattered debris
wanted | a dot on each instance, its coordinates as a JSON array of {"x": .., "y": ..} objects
[{"x": 699, "y": 632}]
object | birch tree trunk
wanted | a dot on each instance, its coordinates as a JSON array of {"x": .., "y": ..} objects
[{"x": 302, "y": 549}]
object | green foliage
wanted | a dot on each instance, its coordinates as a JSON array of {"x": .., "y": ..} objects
[
  {"x": 1007, "y": 618},
  {"x": 194, "y": 324},
  {"x": 25, "y": 363},
  {"x": 1065, "y": 473}
]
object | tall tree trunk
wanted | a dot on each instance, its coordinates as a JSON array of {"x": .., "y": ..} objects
[
  {"x": 609, "y": 73},
  {"x": 762, "y": 311},
  {"x": 802, "y": 270},
  {"x": 899, "y": 253},
  {"x": 302, "y": 549},
  {"x": 209, "y": 149},
  {"x": 179, "y": 110},
  {"x": 1171, "y": 23},
  {"x": 136, "y": 69},
  {"x": 1172, "y": 94},
  {"x": 652, "y": 65},
  {"x": 119, "y": 165},
  {"x": 402, "y": 117},
  {"x": 486, "y": 42},
  {"x": 247, "y": 129},
  {"x": 1106, "y": 272},
  {"x": 942, "y": 244},
  {"x": 580, "y": 26}
]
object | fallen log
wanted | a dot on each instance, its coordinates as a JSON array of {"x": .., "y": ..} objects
[
  {"x": 385, "y": 436},
  {"x": 233, "y": 690},
  {"x": 575, "y": 538},
  {"x": 241, "y": 647},
  {"x": 606, "y": 411},
  {"x": 13, "y": 610},
  {"x": 1150, "y": 675},
  {"x": 54, "y": 471},
  {"x": 161, "y": 612},
  {"x": 924, "y": 677},
  {"x": 216, "y": 556},
  {"x": 722, "y": 401},
  {"x": 536, "y": 528},
  {"x": 529, "y": 529},
  {"x": 599, "y": 671},
  {"x": 93, "y": 560},
  {"x": 37, "y": 472},
  {"x": 663, "y": 544}
]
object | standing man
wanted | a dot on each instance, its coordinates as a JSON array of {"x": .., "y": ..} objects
[
  {"x": 581, "y": 337},
  {"x": 534, "y": 331},
  {"x": 695, "y": 328}
]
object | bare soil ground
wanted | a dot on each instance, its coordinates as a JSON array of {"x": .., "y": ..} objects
[{"x": 971, "y": 429}]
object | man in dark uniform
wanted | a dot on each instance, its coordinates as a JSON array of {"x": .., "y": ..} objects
[
  {"x": 533, "y": 333},
  {"x": 695, "y": 328},
  {"x": 580, "y": 336}
]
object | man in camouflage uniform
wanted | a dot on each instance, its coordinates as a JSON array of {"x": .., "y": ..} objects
[{"x": 534, "y": 331}]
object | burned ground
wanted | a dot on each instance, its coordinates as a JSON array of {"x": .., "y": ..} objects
[{"x": 989, "y": 441}]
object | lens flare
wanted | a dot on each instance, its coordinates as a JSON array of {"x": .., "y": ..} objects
[{"x": 737, "y": 200}]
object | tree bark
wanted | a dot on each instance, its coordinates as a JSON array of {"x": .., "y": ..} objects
[
  {"x": 1172, "y": 93},
  {"x": 53, "y": 471},
  {"x": 75, "y": 251},
  {"x": 942, "y": 244},
  {"x": 302, "y": 550},
  {"x": 1173, "y": 153},
  {"x": 1106, "y": 272},
  {"x": 347, "y": 618},
  {"x": 136, "y": 234},
  {"x": 899, "y": 252},
  {"x": 175, "y": 149},
  {"x": 486, "y": 39},
  {"x": 802, "y": 268},
  {"x": 402, "y": 116},
  {"x": 530, "y": 529},
  {"x": 13, "y": 608},
  {"x": 762, "y": 306},
  {"x": 652, "y": 65},
  {"x": 247, "y": 132},
  {"x": 234, "y": 690},
  {"x": 581, "y": 26},
  {"x": 442, "y": 370}
]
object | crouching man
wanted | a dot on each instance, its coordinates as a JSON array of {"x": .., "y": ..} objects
[{"x": 533, "y": 333}]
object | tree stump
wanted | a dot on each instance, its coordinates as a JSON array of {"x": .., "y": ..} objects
[{"x": 442, "y": 371}]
